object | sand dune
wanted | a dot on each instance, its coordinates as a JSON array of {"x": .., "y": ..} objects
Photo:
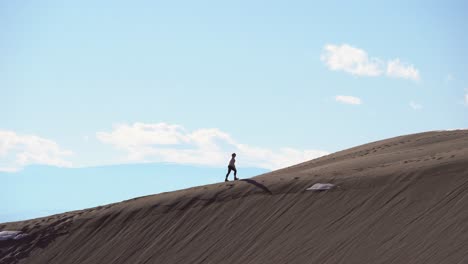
[{"x": 400, "y": 200}]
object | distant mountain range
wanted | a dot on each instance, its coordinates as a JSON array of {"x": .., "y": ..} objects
[{"x": 43, "y": 190}]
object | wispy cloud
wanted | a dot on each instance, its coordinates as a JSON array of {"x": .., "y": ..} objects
[
  {"x": 415, "y": 105},
  {"x": 347, "y": 99},
  {"x": 356, "y": 61},
  {"x": 17, "y": 151},
  {"x": 162, "y": 142},
  {"x": 398, "y": 69},
  {"x": 466, "y": 97},
  {"x": 449, "y": 77}
]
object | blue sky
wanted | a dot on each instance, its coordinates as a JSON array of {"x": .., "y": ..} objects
[{"x": 88, "y": 84}]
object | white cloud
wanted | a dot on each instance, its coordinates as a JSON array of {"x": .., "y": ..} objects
[
  {"x": 141, "y": 134},
  {"x": 466, "y": 98},
  {"x": 397, "y": 69},
  {"x": 415, "y": 105},
  {"x": 164, "y": 142},
  {"x": 8, "y": 169},
  {"x": 356, "y": 61},
  {"x": 346, "y": 99},
  {"x": 17, "y": 151},
  {"x": 350, "y": 59}
]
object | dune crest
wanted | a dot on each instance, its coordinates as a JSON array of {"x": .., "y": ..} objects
[{"x": 399, "y": 200}]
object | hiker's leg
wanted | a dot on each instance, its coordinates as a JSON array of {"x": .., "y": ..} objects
[
  {"x": 235, "y": 173},
  {"x": 229, "y": 171}
]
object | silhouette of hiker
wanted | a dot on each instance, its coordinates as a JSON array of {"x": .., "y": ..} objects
[{"x": 232, "y": 167}]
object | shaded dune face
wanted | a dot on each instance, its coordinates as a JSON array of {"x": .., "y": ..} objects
[{"x": 400, "y": 200}]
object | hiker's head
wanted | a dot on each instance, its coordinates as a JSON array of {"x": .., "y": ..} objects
[{"x": 233, "y": 155}]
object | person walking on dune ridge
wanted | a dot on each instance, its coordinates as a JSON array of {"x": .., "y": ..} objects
[{"x": 232, "y": 167}]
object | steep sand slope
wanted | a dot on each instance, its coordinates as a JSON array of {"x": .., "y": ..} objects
[{"x": 401, "y": 200}]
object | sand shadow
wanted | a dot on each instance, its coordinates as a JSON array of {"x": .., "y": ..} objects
[
  {"x": 13, "y": 251},
  {"x": 258, "y": 185}
]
